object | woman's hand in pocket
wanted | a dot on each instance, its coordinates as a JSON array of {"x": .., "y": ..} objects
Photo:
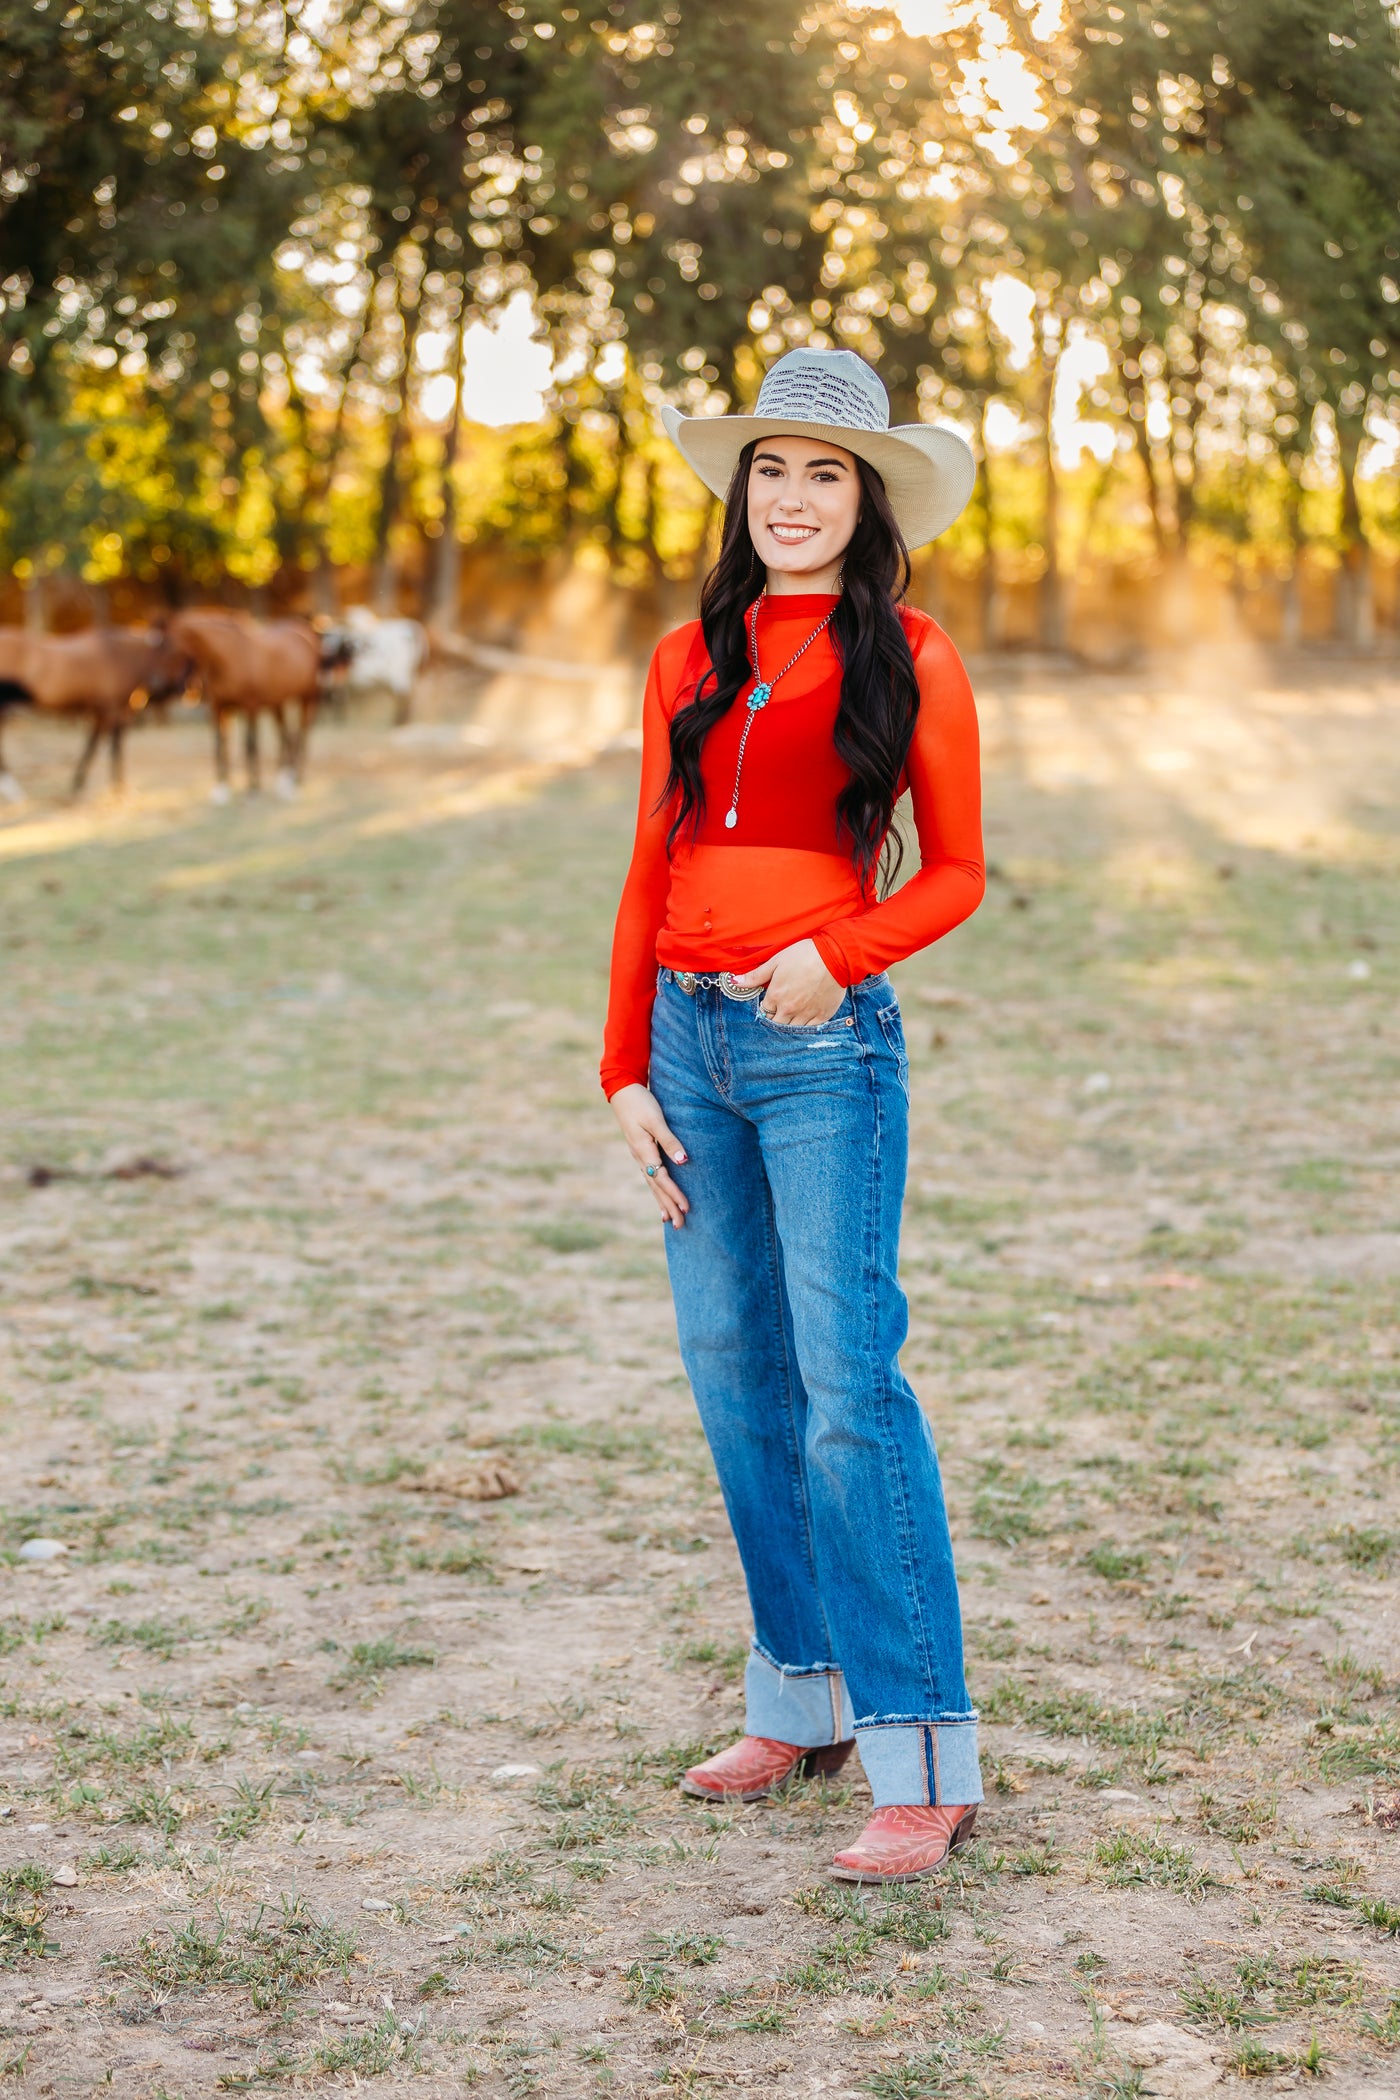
[
  {"x": 799, "y": 989},
  {"x": 651, "y": 1144}
]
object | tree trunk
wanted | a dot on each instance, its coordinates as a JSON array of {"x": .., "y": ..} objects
[
  {"x": 1176, "y": 604},
  {"x": 1051, "y": 595},
  {"x": 1291, "y": 610},
  {"x": 1290, "y": 624},
  {"x": 578, "y": 483},
  {"x": 390, "y": 488},
  {"x": 1185, "y": 455},
  {"x": 447, "y": 563},
  {"x": 613, "y": 500},
  {"x": 1239, "y": 590},
  {"x": 1053, "y": 622},
  {"x": 1130, "y": 376},
  {"x": 325, "y": 598},
  {"x": 933, "y": 591},
  {"x": 988, "y": 586},
  {"x": 650, "y": 513},
  {"x": 1353, "y": 619},
  {"x": 1095, "y": 504}
]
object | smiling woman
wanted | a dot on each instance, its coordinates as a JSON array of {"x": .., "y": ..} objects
[
  {"x": 760, "y": 1076},
  {"x": 803, "y": 502}
]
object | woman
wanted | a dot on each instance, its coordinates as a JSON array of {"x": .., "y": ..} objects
[{"x": 760, "y": 1077}]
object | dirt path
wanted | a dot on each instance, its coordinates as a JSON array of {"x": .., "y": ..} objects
[{"x": 318, "y": 1769}]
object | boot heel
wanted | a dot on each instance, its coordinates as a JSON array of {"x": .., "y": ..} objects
[
  {"x": 829, "y": 1758},
  {"x": 964, "y": 1830}
]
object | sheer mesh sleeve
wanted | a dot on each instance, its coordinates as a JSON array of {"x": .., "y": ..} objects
[
  {"x": 642, "y": 912},
  {"x": 944, "y": 775}
]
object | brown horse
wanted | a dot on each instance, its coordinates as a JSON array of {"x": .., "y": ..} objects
[
  {"x": 249, "y": 667},
  {"x": 106, "y": 675}
]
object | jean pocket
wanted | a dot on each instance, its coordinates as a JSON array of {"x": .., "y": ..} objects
[
  {"x": 839, "y": 1023},
  {"x": 892, "y": 1029}
]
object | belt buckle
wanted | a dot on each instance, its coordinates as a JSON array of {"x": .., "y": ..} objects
[
  {"x": 731, "y": 990},
  {"x": 686, "y": 980}
]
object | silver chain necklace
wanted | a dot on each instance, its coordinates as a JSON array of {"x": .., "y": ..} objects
[{"x": 762, "y": 694}]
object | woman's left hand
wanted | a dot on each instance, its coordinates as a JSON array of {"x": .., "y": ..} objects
[{"x": 800, "y": 990}]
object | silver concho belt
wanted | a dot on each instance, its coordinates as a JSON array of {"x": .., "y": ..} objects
[{"x": 693, "y": 981}]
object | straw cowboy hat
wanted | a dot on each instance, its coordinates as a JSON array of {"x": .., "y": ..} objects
[{"x": 928, "y": 470}]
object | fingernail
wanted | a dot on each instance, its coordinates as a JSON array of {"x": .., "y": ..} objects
[{"x": 679, "y": 1156}]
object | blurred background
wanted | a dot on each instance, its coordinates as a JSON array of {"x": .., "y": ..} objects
[{"x": 373, "y": 302}]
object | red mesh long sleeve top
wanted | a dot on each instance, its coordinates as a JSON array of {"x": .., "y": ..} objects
[{"x": 728, "y": 899}]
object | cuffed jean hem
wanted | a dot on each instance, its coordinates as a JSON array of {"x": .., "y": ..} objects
[
  {"x": 808, "y": 1705},
  {"x": 921, "y": 1764}
]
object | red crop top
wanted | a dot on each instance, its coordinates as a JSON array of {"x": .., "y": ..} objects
[{"x": 729, "y": 899}]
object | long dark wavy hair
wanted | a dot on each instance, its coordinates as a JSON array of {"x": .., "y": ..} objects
[{"x": 879, "y": 689}]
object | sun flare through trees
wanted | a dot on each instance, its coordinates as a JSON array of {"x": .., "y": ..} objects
[{"x": 357, "y": 284}]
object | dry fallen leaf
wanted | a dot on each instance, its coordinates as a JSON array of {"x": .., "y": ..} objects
[
  {"x": 492, "y": 1479},
  {"x": 486, "y": 1482}
]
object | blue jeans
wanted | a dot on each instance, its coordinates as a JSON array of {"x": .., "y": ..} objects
[{"x": 791, "y": 1319}]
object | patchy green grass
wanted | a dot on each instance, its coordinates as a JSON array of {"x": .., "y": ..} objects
[
  {"x": 1365, "y": 1546},
  {"x": 368, "y": 1660},
  {"x": 950, "y": 2066},
  {"x": 570, "y": 1236},
  {"x": 274, "y": 1953},
  {"x": 1129, "y": 1857},
  {"x": 156, "y": 1637},
  {"x": 248, "y": 1811},
  {"x": 113, "y": 1859},
  {"x": 1114, "y": 1565},
  {"x": 385, "y": 2047},
  {"x": 1246, "y": 1822},
  {"x": 23, "y": 1914},
  {"x": 319, "y": 1733}
]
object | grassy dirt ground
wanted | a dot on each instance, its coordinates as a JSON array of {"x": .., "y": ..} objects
[{"x": 325, "y": 1761}]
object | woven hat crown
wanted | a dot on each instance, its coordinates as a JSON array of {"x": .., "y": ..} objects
[
  {"x": 825, "y": 386},
  {"x": 928, "y": 470}
]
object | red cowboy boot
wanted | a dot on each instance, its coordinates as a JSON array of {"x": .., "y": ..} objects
[
  {"x": 904, "y": 1844},
  {"x": 756, "y": 1766}
]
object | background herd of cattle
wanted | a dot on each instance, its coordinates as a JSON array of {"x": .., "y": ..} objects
[{"x": 109, "y": 678}]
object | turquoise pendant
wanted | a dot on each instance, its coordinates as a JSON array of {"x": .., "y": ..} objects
[{"x": 759, "y": 697}]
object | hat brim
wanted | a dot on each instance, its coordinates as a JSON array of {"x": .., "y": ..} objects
[{"x": 928, "y": 470}]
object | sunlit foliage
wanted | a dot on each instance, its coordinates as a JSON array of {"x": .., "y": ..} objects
[{"x": 241, "y": 247}]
